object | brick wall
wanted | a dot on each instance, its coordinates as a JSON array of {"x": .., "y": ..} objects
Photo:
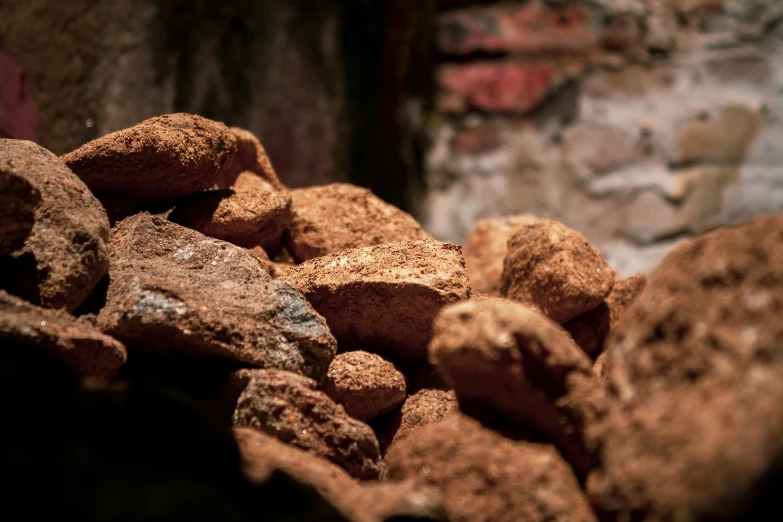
[{"x": 637, "y": 122}]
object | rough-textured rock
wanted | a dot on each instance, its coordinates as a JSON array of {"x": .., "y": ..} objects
[
  {"x": 600, "y": 368},
  {"x": 695, "y": 367},
  {"x": 66, "y": 252},
  {"x": 247, "y": 218},
  {"x": 263, "y": 454},
  {"x": 422, "y": 408},
  {"x": 339, "y": 216},
  {"x": 505, "y": 356},
  {"x": 18, "y": 200},
  {"x": 485, "y": 249},
  {"x": 487, "y": 477},
  {"x": 250, "y": 161},
  {"x": 288, "y": 406},
  {"x": 556, "y": 270},
  {"x": 590, "y": 329},
  {"x": 365, "y": 384},
  {"x": 174, "y": 290},
  {"x": 85, "y": 349},
  {"x": 164, "y": 157},
  {"x": 384, "y": 297}
]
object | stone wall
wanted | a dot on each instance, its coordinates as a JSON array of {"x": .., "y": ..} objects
[{"x": 636, "y": 122}]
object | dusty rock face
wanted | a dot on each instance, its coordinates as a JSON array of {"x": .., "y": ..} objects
[
  {"x": 161, "y": 158},
  {"x": 86, "y": 350},
  {"x": 555, "y": 270},
  {"x": 485, "y": 249},
  {"x": 18, "y": 200},
  {"x": 590, "y": 329},
  {"x": 288, "y": 406},
  {"x": 600, "y": 368},
  {"x": 65, "y": 253},
  {"x": 695, "y": 366},
  {"x": 487, "y": 477},
  {"x": 248, "y": 218},
  {"x": 384, "y": 297},
  {"x": 505, "y": 356},
  {"x": 365, "y": 384},
  {"x": 339, "y": 216},
  {"x": 263, "y": 454},
  {"x": 250, "y": 161},
  {"x": 174, "y": 290},
  {"x": 422, "y": 408}
]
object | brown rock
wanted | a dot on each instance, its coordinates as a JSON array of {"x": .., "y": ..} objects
[
  {"x": 65, "y": 253},
  {"x": 246, "y": 218},
  {"x": 695, "y": 368},
  {"x": 161, "y": 158},
  {"x": 590, "y": 329},
  {"x": 174, "y": 290},
  {"x": 288, "y": 406},
  {"x": 485, "y": 249},
  {"x": 371, "y": 502},
  {"x": 487, "y": 477},
  {"x": 336, "y": 217},
  {"x": 386, "y": 296},
  {"x": 505, "y": 356},
  {"x": 249, "y": 165},
  {"x": 600, "y": 368},
  {"x": 18, "y": 200},
  {"x": 425, "y": 407},
  {"x": 555, "y": 269},
  {"x": 86, "y": 350},
  {"x": 365, "y": 384}
]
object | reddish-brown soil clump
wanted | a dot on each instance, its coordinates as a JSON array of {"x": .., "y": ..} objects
[
  {"x": 250, "y": 165},
  {"x": 337, "y": 217},
  {"x": 384, "y": 297},
  {"x": 161, "y": 158},
  {"x": 554, "y": 269},
  {"x": 65, "y": 253},
  {"x": 18, "y": 200},
  {"x": 288, "y": 406},
  {"x": 365, "y": 384},
  {"x": 422, "y": 408}
]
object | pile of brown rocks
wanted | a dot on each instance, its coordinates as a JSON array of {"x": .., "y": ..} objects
[{"x": 352, "y": 359}]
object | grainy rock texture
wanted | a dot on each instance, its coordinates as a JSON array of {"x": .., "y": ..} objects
[
  {"x": 164, "y": 157},
  {"x": 695, "y": 366},
  {"x": 485, "y": 249},
  {"x": 66, "y": 252},
  {"x": 339, "y": 216},
  {"x": 174, "y": 290},
  {"x": 288, "y": 406},
  {"x": 422, "y": 408},
  {"x": 384, "y": 297},
  {"x": 555, "y": 270},
  {"x": 18, "y": 200},
  {"x": 487, "y": 477},
  {"x": 505, "y": 356},
  {"x": 600, "y": 368},
  {"x": 365, "y": 384},
  {"x": 263, "y": 454},
  {"x": 250, "y": 161},
  {"x": 590, "y": 329},
  {"x": 247, "y": 218},
  {"x": 84, "y": 348}
]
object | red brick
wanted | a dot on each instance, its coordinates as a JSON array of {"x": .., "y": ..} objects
[
  {"x": 532, "y": 28},
  {"x": 477, "y": 140},
  {"x": 515, "y": 87}
]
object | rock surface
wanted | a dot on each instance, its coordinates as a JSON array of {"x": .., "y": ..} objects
[
  {"x": 555, "y": 270},
  {"x": 174, "y": 290},
  {"x": 252, "y": 217},
  {"x": 505, "y": 356},
  {"x": 485, "y": 249},
  {"x": 365, "y": 384},
  {"x": 250, "y": 161},
  {"x": 695, "y": 367},
  {"x": 590, "y": 329},
  {"x": 18, "y": 200},
  {"x": 384, "y": 297},
  {"x": 288, "y": 406},
  {"x": 425, "y": 407},
  {"x": 487, "y": 477},
  {"x": 162, "y": 158},
  {"x": 66, "y": 251},
  {"x": 86, "y": 350},
  {"x": 337, "y": 217}
]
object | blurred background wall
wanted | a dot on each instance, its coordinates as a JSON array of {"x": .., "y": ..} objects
[{"x": 637, "y": 122}]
